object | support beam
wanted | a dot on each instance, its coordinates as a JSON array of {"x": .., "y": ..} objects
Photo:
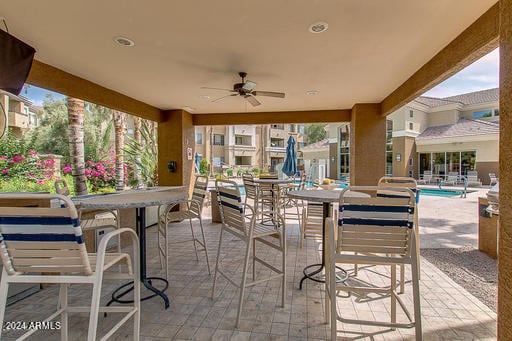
[
  {"x": 505, "y": 205},
  {"x": 367, "y": 145},
  {"x": 313, "y": 116},
  {"x": 51, "y": 78},
  {"x": 176, "y": 134},
  {"x": 473, "y": 43}
]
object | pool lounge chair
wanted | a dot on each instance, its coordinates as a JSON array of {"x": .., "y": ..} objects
[
  {"x": 493, "y": 179},
  {"x": 426, "y": 178},
  {"x": 473, "y": 180},
  {"x": 453, "y": 179}
]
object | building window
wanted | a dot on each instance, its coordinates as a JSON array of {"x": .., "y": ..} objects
[
  {"x": 279, "y": 143},
  {"x": 218, "y": 140},
  {"x": 277, "y": 126},
  {"x": 242, "y": 160},
  {"x": 411, "y": 161},
  {"x": 218, "y": 161},
  {"x": 199, "y": 138},
  {"x": 411, "y": 174},
  {"x": 241, "y": 140},
  {"x": 496, "y": 112},
  {"x": 301, "y": 129},
  {"x": 344, "y": 151},
  {"x": 411, "y": 126},
  {"x": 389, "y": 148},
  {"x": 411, "y": 113}
]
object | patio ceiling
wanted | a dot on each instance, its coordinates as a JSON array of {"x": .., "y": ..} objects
[{"x": 368, "y": 51}]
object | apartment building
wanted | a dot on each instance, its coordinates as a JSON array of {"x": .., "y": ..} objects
[
  {"x": 17, "y": 113},
  {"x": 246, "y": 146},
  {"x": 442, "y": 135}
]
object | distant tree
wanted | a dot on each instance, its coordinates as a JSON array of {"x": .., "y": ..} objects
[
  {"x": 76, "y": 143},
  {"x": 51, "y": 136},
  {"x": 315, "y": 133}
]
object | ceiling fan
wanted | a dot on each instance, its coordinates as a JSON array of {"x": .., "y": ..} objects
[{"x": 246, "y": 90}]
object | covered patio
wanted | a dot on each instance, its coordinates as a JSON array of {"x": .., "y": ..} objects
[
  {"x": 448, "y": 311},
  {"x": 374, "y": 58}
]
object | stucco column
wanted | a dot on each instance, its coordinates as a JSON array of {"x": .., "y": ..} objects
[
  {"x": 505, "y": 218},
  {"x": 367, "y": 145},
  {"x": 175, "y": 135}
]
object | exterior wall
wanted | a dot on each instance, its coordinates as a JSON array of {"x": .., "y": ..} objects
[
  {"x": 406, "y": 147},
  {"x": 441, "y": 118},
  {"x": 484, "y": 168},
  {"x": 486, "y": 151}
]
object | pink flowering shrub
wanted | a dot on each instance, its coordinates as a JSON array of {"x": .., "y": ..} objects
[
  {"x": 28, "y": 166},
  {"x": 102, "y": 174}
]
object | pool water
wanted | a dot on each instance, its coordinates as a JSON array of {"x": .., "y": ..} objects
[{"x": 441, "y": 192}]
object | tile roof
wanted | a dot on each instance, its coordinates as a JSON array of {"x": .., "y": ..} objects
[
  {"x": 483, "y": 96},
  {"x": 464, "y": 127}
]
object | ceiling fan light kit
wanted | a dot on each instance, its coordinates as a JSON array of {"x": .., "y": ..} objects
[{"x": 246, "y": 90}]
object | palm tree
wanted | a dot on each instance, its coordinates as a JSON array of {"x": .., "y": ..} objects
[
  {"x": 76, "y": 143},
  {"x": 137, "y": 137},
  {"x": 120, "y": 130}
]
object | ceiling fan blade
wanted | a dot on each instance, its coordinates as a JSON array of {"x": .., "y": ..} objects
[
  {"x": 248, "y": 86},
  {"x": 206, "y": 87},
  {"x": 252, "y": 100},
  {"x": 218, "y": 99},
  {"x": 269, "y": 94}
]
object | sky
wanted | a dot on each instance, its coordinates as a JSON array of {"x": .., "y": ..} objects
[{"x": 482, "y": 74}]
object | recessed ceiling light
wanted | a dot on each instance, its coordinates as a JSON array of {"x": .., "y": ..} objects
[
  {"x": 318, "y": 27},
  {"x": 123, "y": 41},
  {"x": 312, "y": 92},
  {"x": 204, "y": 97},
  {"x": 189, "y": 109}
]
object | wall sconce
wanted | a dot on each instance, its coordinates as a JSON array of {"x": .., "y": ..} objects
[
  {"x": 398, "y": 157},
  {"x": 171, "y": 166}
]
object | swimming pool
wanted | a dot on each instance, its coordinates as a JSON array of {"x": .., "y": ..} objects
[{"x": 441, "y": 192}]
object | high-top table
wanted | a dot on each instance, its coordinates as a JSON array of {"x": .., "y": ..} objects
[
  {"x": 138, "y": 199},
  {"x": 326, "y": 197}
]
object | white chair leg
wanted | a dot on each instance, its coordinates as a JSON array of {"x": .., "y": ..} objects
[
  {"x": 217, "y": 262},
  {"x": 402, "y": 279},
  {"x": 283, "y": 282},
  {"x": 244, "y": 281},
  {"x": 204, "y": 245},
  {"x": 193, "y": 237},
  {"x": 393, "y": 297},
  {"x": 416, "y": 294},
  {"x": 4, "y": 289},
  {"x": 136, "y": 299},
  {"x": 95, "y": 308},
  {"x": 63, "y": 304}
]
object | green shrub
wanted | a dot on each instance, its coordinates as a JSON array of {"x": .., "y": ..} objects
[
  {"x": 229, "y": 172},
  {"x": 256, "y": 171},
  {"x": 203, "y": 167}
]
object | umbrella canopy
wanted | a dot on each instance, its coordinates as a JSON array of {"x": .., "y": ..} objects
[
  {"x": 196, "y": 163},
  {"x": 290, "y": 163}
]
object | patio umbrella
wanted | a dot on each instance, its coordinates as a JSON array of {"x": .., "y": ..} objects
[
  {"x": 290, "y": 163},
  {"x": 196, "y": 163}
]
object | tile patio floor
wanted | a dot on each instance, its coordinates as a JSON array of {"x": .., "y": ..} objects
[{"x": 448, "y": 311}]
